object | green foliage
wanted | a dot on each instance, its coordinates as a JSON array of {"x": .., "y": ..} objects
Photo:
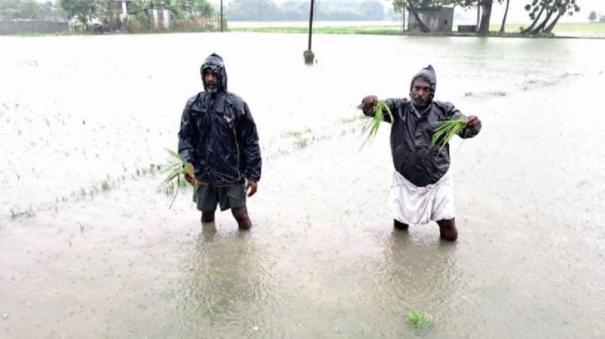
[
  {"x": 418, "y": 321},
  {"x": 446, "y": 130},
  {"x": 399, "y": 4},
  {"x": 195, "y": 8},
  {"x": 139, "y": 11},
  {"x": 546, "y": 13},
  {"x": 184, "y": 13},
  {"x": 564, "y": 6},
  {"x": 28, "y": 9},
  {"x": 82, "y": 10}
]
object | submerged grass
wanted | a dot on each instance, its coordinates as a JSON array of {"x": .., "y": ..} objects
[
  {"x": 418, "y": 320},
  {"x": 300, "y": 138},
  {"x": 176, "y": 172},
  {"x": 371, "y": 129},
  {"x": 18, "y": 212},
  {"x": 446, "y": 131}
]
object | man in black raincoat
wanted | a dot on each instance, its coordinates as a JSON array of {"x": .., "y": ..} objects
[
  {"x": 218, "y": 138},
  {"x": 422, "y": 189}
]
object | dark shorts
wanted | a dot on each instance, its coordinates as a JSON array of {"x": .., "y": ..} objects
[{"x": 208, "y": 197}]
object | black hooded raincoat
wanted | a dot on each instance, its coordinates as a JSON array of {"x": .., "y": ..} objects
[
  {"x": 218, "y": 134},
  {"x": 414, "y": 155}
]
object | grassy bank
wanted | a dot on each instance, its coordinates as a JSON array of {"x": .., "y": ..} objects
[
  {"x": 583, "y": 30},
  {"x": 590, "y": 30},
  {"x": 579, "y": 30},
  {"x": 382, "y": 30}
]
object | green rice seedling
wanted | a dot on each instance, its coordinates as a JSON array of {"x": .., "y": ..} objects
[
  {"x": 176, "y": 171},
  {"x": 418, "y": 320},
  {"x": 446, "y": 130},
  {"x": 301, "y": 142},
  {"x": 18, "y": 212},
  {"x": 371, "y": 128}
]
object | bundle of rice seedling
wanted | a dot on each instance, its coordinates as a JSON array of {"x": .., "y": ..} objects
[
  {"x": 175, "y": 178},
  {"x": 371, "y": 128},
  {"x": 446, "y": 130}
]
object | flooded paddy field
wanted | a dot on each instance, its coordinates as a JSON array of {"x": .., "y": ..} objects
[{"x": 90, "y": 249}]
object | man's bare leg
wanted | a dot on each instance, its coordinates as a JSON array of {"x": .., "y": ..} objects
[
  {"x": 241, "y": 216},
  {"x": 447, "y": 229},
  {"x": 399, "y": 225},
  {"x": 207, "y": 217}
]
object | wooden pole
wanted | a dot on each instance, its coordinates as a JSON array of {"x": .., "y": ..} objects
[
  {"x": 308, "y": 54},
  {"x": 222, "y": 29}
]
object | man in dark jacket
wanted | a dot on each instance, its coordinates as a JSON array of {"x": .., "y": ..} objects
[
  {"x": 422, "y": 189},
  {"x": 218, "y": 138}
]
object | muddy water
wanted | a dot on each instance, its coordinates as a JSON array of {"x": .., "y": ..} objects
[{"x": 322, "y": 260}]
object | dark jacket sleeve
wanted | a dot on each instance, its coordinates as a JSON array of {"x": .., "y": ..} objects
[
  {"x": 188, "y": 134},
  {"x": 249, "y": 147}
]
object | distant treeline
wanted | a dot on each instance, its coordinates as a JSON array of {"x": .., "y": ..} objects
[
  {"x": 107, "y": 15},
  {"x": 294, "y": 10},
  {"x": 30, "y": 10}
]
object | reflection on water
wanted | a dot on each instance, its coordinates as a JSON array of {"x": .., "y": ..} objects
[{"x": 225, "y": 288}]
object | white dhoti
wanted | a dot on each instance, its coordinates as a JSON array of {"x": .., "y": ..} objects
[{"x": 411, "y": 204}]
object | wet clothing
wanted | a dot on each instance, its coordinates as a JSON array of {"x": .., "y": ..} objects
[
  {"x": 411, "y": 204},
  {"x": 208, "y": 197},
  {"x": 218, "y": 134},
  {"x": 414, "y": 155}
]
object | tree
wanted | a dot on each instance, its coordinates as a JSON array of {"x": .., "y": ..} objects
[
  {"x": 484, "y": 8},
  {"x": 194, "y": 8},
  {"x": 30, "y": 9},
  {"x": 592, "y": 16},
  {"x": 26, "y": 9},
  {"x": 413, "y": 5},
  {"x": 553, "y": 10},
  {"x": 81, "y": 10},
  {"x": 50, "y": 11},
  {"x": 486, "y": 15},
  {"x": 504, "y": 17}
]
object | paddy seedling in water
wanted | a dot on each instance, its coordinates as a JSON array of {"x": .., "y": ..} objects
[
  {"x": 418, "y": 320},
  {"x": 371, "y": 128},
  {"x": 17, "y": 212},
  {"x": 446, "y": 130}
]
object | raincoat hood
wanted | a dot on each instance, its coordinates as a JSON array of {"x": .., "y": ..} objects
[
  {"x": 214, "y": 62},
  {"x": 427, "y": 74}
]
